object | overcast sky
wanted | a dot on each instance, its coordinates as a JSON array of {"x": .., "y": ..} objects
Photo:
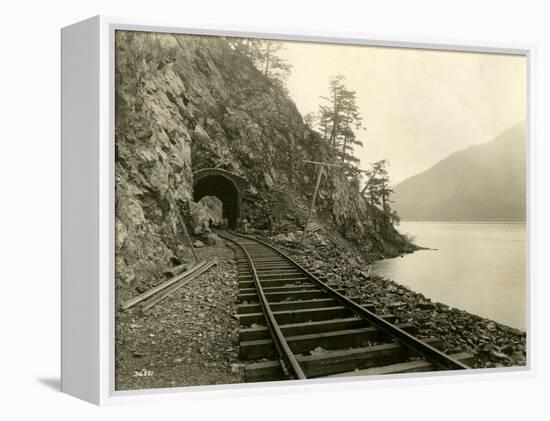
[{"x": 418, "y": 105}]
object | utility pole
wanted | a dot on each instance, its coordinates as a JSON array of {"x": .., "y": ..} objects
[
  {"x": 184, "y": 227},
  {"x": 319, "y": 176}
]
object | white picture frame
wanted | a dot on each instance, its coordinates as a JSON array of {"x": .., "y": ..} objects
[{"x": 88, "y": 210}]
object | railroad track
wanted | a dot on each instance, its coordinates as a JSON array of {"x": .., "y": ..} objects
[{"x": 295, "y": 326}]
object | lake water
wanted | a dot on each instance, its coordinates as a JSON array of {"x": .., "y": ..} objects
[{"x": 477, "y": 267}]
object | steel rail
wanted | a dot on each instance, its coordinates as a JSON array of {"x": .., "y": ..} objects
[
  {"x": 433, "y": 355},
  {"x": 287, "y": 356}
]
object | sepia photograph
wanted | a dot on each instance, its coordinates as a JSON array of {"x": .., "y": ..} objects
[{"x": 290, "y": 210}]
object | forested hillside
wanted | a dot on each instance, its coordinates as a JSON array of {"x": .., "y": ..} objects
[{"x": 484, "y": 182}]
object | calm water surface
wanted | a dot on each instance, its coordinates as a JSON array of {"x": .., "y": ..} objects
[{"x": 477, "y": 267}]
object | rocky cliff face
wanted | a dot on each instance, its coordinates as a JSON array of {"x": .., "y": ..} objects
[{"x": 185, "y": 103}]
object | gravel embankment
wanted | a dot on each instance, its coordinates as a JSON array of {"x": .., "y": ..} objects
[
  {"x": 189, "y": 338},
  {"x": 491, "y": 343}
]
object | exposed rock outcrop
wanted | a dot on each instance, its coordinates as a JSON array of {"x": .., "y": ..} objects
[{"x": 185, "y": 103}]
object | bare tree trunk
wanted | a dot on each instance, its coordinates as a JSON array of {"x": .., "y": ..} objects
[
  {"x": 384, "y": 197},
  {"x": 367, "y": 184},
  {"x": 267, "y": 60},
  {"x": 384, "y": 210},
  {"x": 334, "y": 122},
  {"x": 333, "y": 134},
  {"x": 344, "y": 146}
]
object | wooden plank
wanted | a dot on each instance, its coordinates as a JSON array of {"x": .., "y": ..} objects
[
  {"x": 275, "y": 275},
  {"x": 283, "y": 266},
  {"x": 304, "y": 328},
  {"x": 269, "y": 264},
  {"x": 176, "y": 270},
  {"x": 415, "y": 366},
  {"x": 274, "y": 283},
  {"x": 289, "y": 305},
  {"x": 263, "y": 372},
  {"x": 162, "y": 295},
  {"x": 295, "y": 295},
  {"x": 296, "y": 316},
  {"x": 246, "y": 292},
  {"x": 267, "y": 270},
  {"x": 351, "y": 338},
  {"x": 294, "y": 329},
  {"x": 335, "y": 362},
  {"x": 133, "y": 301},
  {"x": 275, "y": 256},
  {"x": 301, "y": 292}
]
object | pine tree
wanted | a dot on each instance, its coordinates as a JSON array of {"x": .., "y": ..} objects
[
  {"x": 340, "y": 120},
  {"x": 309, "y": 119},
  {"x": 375, "y": 174},
  {"x": 275, "y": 67},
  {"x": 378, "y": 189},
  {"x": 266, "y": 56}
]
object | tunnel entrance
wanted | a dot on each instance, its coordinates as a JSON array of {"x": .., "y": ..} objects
[{"x": 216, "y": 183}]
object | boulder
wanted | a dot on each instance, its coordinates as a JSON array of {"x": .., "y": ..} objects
[
  {"x": 397, "y": 304},
  {"x": 291, "y": 237},
  {"x": 268, "y": 181},
  {"x": 211, "y": 239},
  {"x": 280, "y": 238},
  {"x": 124, "y": 273},
  {"x": 425, "y": 305}
]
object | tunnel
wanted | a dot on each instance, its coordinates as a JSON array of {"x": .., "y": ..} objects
[{"x": 212, "y": 183}]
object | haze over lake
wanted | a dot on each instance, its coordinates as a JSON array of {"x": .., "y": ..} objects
[{"x": 477, "y": 267}]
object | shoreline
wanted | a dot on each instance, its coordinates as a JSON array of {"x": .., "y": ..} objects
[
  {"x": 463, "y": 222},
  {"x": 145, "y": 344},
  {"x": 518, "y": 330},
  {"x": 440, "y": 275},
  {"x": 493, "y": 344}
]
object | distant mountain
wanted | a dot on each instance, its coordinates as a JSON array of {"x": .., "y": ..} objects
[{"x": 484, "y": 182}]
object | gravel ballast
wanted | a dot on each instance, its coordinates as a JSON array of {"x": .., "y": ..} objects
[
  {"x": 190, "y": 338},
  {"x": 491, "y": 343}
]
